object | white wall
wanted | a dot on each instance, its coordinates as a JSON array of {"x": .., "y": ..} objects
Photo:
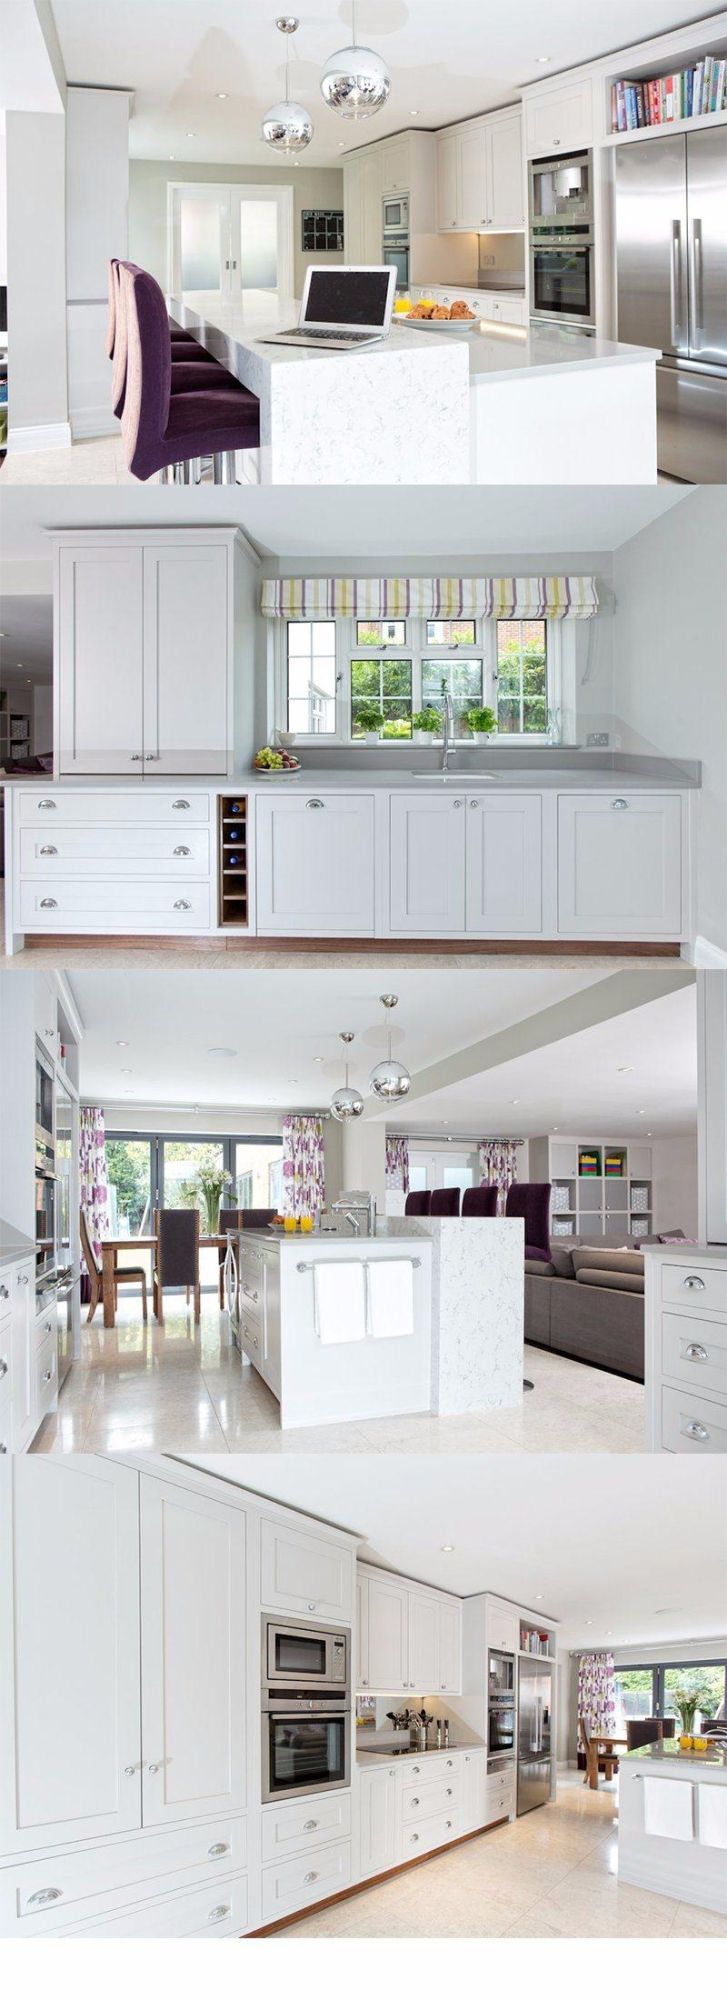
[
  {"x": 675, "y": 1184},
  {"x": 36, "y": 246},
  {"x": 670, "y": 668},
  {"x": 363, "y": 1163},
  {"x": 313, "y": 187}
]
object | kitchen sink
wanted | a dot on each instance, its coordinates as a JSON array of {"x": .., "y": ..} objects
[{"x": 466, "y": 778}]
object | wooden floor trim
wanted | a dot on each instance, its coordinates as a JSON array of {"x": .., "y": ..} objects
[
  {"x": 372, "y": 1881},
  {"x": 414, "y": 947}
]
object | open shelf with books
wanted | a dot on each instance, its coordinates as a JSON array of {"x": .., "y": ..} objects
[{"x": 685, "y": 93}]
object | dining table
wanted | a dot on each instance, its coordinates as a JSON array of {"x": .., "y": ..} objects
[
  {"x": 109, "y": 1251},
  {"x": 599, "y": 1748}
]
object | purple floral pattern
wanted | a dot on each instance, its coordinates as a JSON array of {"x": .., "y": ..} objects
[
  {"x": 498, "y": 1159},
  {"x": 304, "y": 1178},
  {"x": 597, "y": 1693},
  {"x": 94, "y": 1180},
  {"x": 397, "y": 1162}
]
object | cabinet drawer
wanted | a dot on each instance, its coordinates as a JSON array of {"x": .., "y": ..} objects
[
  {"x": 45, "y": 1326},
  {"x": 5, "y": 1302},
  {"x": 295, "y": 1829},
  {"x": 436, "y": 1765},
  {"x": 46, "y": 1375},
  {"x": 690, "y": 1423},
  {"x": 203, "y": 1912},
  {"x": 104, "y": 807},
  {"x": 694, "y": 1351},
  {"x": 114, "y": 851},
  {"x": 694, "y": 1286},
  {"x": 291, "y": 1885},
  {"x": 437, "y": 1795},
  {"x": 97, "y": 1879},
  {"x": 433, "y": 1832},
  {"x": 499, "y": 1798},
  {"x": 5, "y": 1414},
  {"x": 117, "y": 905}
]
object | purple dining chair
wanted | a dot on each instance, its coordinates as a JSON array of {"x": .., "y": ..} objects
[
  {"x": 445, "y": 1201},
  {"x": 418, "y": 1202},
  {"x": 161, "y": 430},
  {"x": 480, "y": 1200}
]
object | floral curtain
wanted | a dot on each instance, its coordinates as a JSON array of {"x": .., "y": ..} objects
[
  {"x": 497, "y": 1158},
  {"x": 94, "y": 1179},
  {"x": 304, "y": 1180},
  {"x": 597, "y": 1692},
  {"x": 397, "y": 1161},
  {"x": 430, "y": 597}
]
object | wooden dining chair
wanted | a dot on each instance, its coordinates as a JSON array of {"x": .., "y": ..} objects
[
  {"x": 124, "y": 1274},
  {"x": 176, "y": 1260}
]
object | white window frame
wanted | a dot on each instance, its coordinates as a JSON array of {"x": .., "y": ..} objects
[{"x": 561, "y": 667}]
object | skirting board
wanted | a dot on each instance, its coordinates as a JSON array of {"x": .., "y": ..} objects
[
  {"x": 94, "y": 423},
  {"x": 709, "y": 957},
  {"x": 409, "y": 947},
  {"x": 39, "y": 437}
]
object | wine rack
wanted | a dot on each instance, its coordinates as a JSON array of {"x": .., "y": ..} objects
[{"x": 233, "y": 861}]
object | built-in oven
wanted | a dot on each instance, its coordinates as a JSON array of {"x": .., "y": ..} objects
[
  {"x": 395, "y": 253},
  {"x": 396, "y": 215},
  {"x": 306, "y": 1744},
  {"x": 44, "y": 1111},
  {"x": 306, "y": 1657},
  {"x": 45, "y": 1228},
  {"x": 501, "y": 1712},
  {"x": 561, "y": 193},
  {"x": 561, "y": 281}
]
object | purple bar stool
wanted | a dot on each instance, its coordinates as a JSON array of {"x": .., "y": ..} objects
[
  {"x": 161, "y": 430},
  {"x": 418, "y": 1202},
  {"x": 480, "y": 1200},
  {"x": 187, "y": 371},
  {"x": 445, "y": 1201}
]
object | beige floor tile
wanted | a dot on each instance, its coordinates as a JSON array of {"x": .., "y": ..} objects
[{"x": 691, "y": 1922}]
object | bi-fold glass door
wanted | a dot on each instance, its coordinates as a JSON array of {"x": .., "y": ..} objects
[
  {"x": 166, "y": 1170},
  {"x": 235, "y": 241}
]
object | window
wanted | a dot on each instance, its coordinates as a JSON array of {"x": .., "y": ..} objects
[
  {"x": 522, "y": 680},
  {"x": 451, "y": 632},
  {"x": 634, "y": 1695},
  {"x": 164, "y": 1170},
  {"x": 311, "y": 703},
  {"x": 707, "y": 1684},
  {"x": 653, "y": 1691},
  {"x": 381, "y": 632},
  {"x": 461, "y": 679},
  {"x": 383, "y": 686},
  {"x": 128, "y": 1163}
]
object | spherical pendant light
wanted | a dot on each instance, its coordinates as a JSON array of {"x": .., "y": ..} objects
[
  {"x": 355, "y": 81},
  {"x": 346, "y": 1103},
  {"x": 287, "y": 127},
  {"x": 390, "y": 1080}
]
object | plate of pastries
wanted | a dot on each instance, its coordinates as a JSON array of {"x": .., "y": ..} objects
[{"x": 428, "y": 312}]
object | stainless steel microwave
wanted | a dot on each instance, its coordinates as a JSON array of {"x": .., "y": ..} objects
[
  {"x": 301, "y": 1656},
  {"x": 396, "y": 215}
]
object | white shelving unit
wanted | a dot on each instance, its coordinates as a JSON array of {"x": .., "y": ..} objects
[
  {"x": 609, "y": 1203},
  {"x": 651, "y": 62}
]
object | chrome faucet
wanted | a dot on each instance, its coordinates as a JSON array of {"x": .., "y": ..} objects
[
  {"x": 448, "y": 731},
  {"x": 351, "y": 1217},
  {"x": 355, "y": 1209}
]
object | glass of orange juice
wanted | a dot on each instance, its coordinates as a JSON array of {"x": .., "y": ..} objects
[
  {"x": 306, "y": 1223},
  {"x": 290, "y": 1225}
]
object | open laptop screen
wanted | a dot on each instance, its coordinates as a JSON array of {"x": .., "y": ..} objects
[{"x": 340, "y": 297}]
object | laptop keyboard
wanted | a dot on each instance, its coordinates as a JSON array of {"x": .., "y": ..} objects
[{"x": 323, "y": 333}]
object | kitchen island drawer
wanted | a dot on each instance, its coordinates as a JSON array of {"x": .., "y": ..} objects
[
  {"x": 102, "y": 806},
  {"x": 210, "y": 1911},
  {"x": 436, "y": 1764},
  {"x": 419, "y": 1801},
  {"x": 36, "y": 1896},
  {"x": 433, "y": 1832},
  {"x": 499, "y": 1799},
  {"x": 114, "y": 850},
  {"x": 120, "y": 905},
  {"x": 290, "y": 1885},
  {"x": 694, "y": 1351},
  {"x": 5, "y": 1300},
  {"x": 691, "y": 1423},
  {"x": 295, "y": 1829},
  {"x": 46, "y": 1374},
  {"x": 695, "y": 1287}
]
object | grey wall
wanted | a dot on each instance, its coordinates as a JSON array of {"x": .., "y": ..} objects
[
  {"x": 36, "y": 258},
  {"x": 314, "y": 187}
]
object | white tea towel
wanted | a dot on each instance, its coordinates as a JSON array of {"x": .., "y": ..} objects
[
  {"x": 339, "y": 1301},
  {"x": 712, "y": 1815},
  {"x": 668, "y": 1808},
  {"x": 391, "y": 1298}
]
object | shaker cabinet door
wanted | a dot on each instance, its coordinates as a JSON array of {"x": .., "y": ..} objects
[
  {"x": 619, "y": 865},
  {"x": 450, "y": 1648},
  {"x": 186, "y": 643},
  {"x": 378, "y": 1810},
  {"x": 315, "y": 865},
  {"x": 388, "y": 1636},
  {"x": 99, "y": 617},
  {"x": 423, "y": 1642},
  {"x": 504, "y": 864}
]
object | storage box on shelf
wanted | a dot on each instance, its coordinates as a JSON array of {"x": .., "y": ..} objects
[{"x": 686, "y": 1349}]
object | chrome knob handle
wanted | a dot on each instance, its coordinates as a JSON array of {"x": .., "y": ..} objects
[
  {"x": 3, "y": 1450},
  {"x": 474, "y": 804},
  {"x": 180, "y": 805},
  {"x": 182, "y": 905},
  {"x": 449, "y": 1822},
  {"x": 619, "y": 805},
  {"x": 47, "y": 806},
  {"x": 416, "y": 1770},
  {"x": 364, "y": 1683},
  {"x": 219, "y": 1847},
  {"x": 220, "y": 1911},
  {"x": 449, "y": 1793},
  {"x": 45, "y": 1896},
  {"x": 4, "y": 1293},
  {"x": 456, "y": 803},
  {"x": 23, "y": 1278},
  {"x": 48, "y": 903},
  {"x": 152, "y": 757},
  {"x": 310, "y": 1826},
  {"x": 449, "y": 1763},
  {"x": 314, "y": 805},
  {"x": 312, "y": 1875},
  {"x": 3, "y": 1369},
  {"x": 414, "y": 1838},
  {"x": 698, "y": 1431},
  {"x": 182, "y": 850},
  {"x": 311, "y": 1607},
  {"x": 48, "y": 1376},
  {"x": 694, "y": 1284},
  {"x": 129, "y": 1770},
  {"x": 696, "y": 1353},
  {"x": 153, "y": 1768},
  {"x": 415, "y": 1802},
  {"x": 136, "y": 757},
  {"x": 49, "y": 850}
]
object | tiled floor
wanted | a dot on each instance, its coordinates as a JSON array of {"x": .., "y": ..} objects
[
  {"x": 551, "y": 1874},
  {"x": 181, "y": 1388},
  {"x": 96, "y": 462}
]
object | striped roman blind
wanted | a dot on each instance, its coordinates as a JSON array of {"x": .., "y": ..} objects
[{"x": 430, "y": 597}]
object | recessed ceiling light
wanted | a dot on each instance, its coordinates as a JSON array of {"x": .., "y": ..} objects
[
  {"x": 539, "y": 1596},
  {"x": 127, "y": 1072},
  {"x": 413, "y": 114},
  {"x": 625, "y": 1069},
  {"x": 191, "y": 135},
  {"x": 222, "y": 1052},
  {"x": 589, "y": 1621},
  {"x": 641, "y": 1114},
  {"x": 609, "y": 1635},
  {"x": 319, "y": 1059},
  {"x": 447, "y": 1549},
  {"x": 221, "y": 94},
  {"x": 543, "y": 59},
  {"x": 294, "y": 1079},
  {"x": 514, "y": 1100},
  {"x": 122, "y": 1045}
]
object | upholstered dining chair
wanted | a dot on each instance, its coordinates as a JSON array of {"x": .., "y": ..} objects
[
  {"x": 161, "y": 429},
  {"x": 480, "y": 1200},
  {"x": 177, "y": 1256},
  {"x": 642, "y": 1729},
  {"x": 445, "y": 1201},
  {"x": 418, "y": 1202},
  {"x": 124, "y": 1274}
]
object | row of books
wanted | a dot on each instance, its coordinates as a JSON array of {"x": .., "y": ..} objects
[{"x": 687, "y": 93}]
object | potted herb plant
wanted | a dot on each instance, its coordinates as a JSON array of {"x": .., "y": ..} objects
[
  {"x": 369, "y": 719},
  {"x": 427, "y": 722},
  {"x": 480, "y": 721}
]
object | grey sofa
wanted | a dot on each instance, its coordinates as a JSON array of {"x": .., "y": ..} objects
[{"x": 588, "y": 1303}]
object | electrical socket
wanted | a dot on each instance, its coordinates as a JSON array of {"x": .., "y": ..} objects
[
  {"x": 598, "y": 739},
  {"x": 487, "y": 263}
]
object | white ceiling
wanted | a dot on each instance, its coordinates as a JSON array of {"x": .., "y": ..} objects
[
  {"x": 383, "y": 524},
  {"x": 583, "y": 1539},
  {"x": 26, "y": 640},
  {"x": 27, "y": 78},
  {"x": 445, "y": 63},
  {"x": 279, "y": 1023}
]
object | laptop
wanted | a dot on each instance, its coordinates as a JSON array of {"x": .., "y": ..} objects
[{"x": 344, "y": 306}]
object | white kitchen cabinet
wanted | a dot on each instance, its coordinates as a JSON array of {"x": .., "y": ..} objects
[
  {"x": 21, "y": 1286},
  {"x": 473, "y": 1789},
  {"x": 502, "y": 1626},
  {"x": 449, "y": 1643},
  {"x": 559, "y": 120},
  {"x": 362, "y": 192},
  {"x": 395, "y": 165},
  {"x": 472, "y": 194},
  {"x": 505, "y": 198},
  {"x": 504, "y": 864},
  {"x": 193, "y": 1654},
  {"x": 291, "y": 1885},
  {"x": 305, "y": 1824},
  {"x": 423, "y": 1641},
  {"x": 388, "y": 1635},
  {"x": 315, "y": 864},
  {"x": 447, "y": 180},
  {"x": 143, "y": 655},
  {"x": 379, "y": 1843},
  {"x": 619, "y": 865},
  {"x": 409, "y": 1639},
  {"x": 69, "y": 1587},
  {"x": 427, "y": 878},
  {"x": 362, "y": 1629},
  {"x": 308, "y": 1574},
  {"x": 480, "y": 175},
  {"x": 97, "y": 1878}
]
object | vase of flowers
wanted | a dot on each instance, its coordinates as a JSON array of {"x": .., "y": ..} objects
[
  {"x": 687, "y": 1709},
  {"x": 210, "y": 1185}
]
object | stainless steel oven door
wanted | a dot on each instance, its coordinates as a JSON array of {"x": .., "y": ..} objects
[
  {"x": 561, "y": 283},
  {"x": 397, "y": 254},
  {"x": 45, "y": 1225},
  {"x": 304, "y": 1753}
]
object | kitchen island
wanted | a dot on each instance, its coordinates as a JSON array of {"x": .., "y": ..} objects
[
  {"x": 498, "y": 406},
  {"x": 672, "y": 1823}
]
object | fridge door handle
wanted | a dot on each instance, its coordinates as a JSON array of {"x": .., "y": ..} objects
[
  {"x": 697, "y": 282},
  {"x": 676, "y": 286}
]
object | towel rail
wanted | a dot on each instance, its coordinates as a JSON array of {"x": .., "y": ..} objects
[{"x": 365, "y": 1262}]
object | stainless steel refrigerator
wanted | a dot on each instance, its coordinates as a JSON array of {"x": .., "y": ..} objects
[
  {"x": 534, "y": 1711},
  {"x": 671, "y": 255}
]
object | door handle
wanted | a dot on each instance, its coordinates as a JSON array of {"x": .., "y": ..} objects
[
  {"x": 619, "y": 805},
  {"x": 49, "y": 850},
  {"x": 48, "y": 903},
  {"x": 45, "y": 1896},
  {"x": 698, "y": 280},
  {"x": 314, "y": 805},
  {"x": 181, "y": 905},
  {"x": 47, "y": 806},
  {"x": 676, "y": 285},
  {"x": 698, "y": 1431},
  {"x": 695, "y": 1353},
  {"x": 180, "y": 805},
  {"x": 693, "y": 1284},
  {"x": 183, "y": 850}
]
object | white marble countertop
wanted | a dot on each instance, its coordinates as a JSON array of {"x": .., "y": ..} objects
[
  {"x": 688, "y": 1253},
  {"x": 497, "y": 352},
  {"x": 209, "y": 312},
  {"x": 638, "y": 774},
  {"x": 666, "y": 1755},
  {"x": 298, "y": 1239},
  {"x": 14, "y": 1248}
]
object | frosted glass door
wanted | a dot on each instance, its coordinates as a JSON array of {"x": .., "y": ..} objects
[
  {"x": 203, "y": 230},
  {"x": 258, "y": 245}
]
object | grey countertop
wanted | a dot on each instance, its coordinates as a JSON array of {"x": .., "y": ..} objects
[
  {"x": 14, "y": 1248},
  {"x": 570, "y": 771},
  {"x": 669, "y": 1753}
]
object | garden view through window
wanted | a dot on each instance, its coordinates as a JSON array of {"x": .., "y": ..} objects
[
  {"x": 163, "y": 1171},
  {"x": 395, "y": 682},
  {"x": 653, "y": 1691}
]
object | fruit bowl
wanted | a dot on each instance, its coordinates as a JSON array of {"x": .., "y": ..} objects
[{"x": 269, "y": 763}]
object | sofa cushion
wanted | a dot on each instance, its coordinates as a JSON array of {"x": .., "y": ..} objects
[
  {"x": 630, "y": 1261},
  {"x": 616, "y": 1281},
  {"x": 535, "y": 1268},
  {"x": 562, "y": 1260}
]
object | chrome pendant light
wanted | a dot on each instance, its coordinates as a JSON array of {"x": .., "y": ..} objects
[
  {"x": 355, "y": 81},
  {"x": 346, "y": 1103},
  {"x": 390, "y": 1079},
  {"x": 287, "y": 127}
]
